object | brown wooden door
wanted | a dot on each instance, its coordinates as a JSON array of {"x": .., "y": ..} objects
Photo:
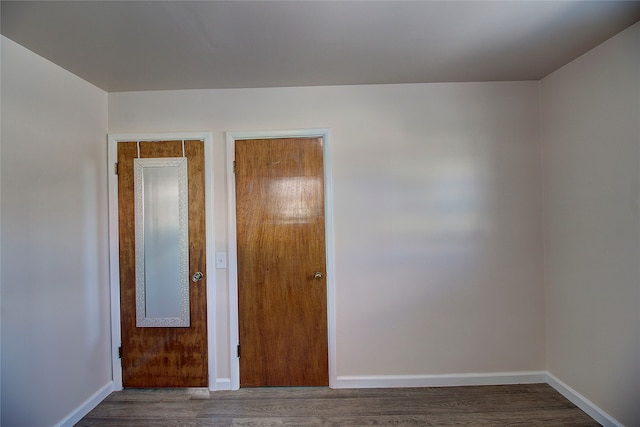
[
  {"x": 282, "y": 303},
  {"x": 159, "y": 356}
]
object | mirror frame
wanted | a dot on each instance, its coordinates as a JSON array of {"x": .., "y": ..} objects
[{"x": 183, "y": 246}]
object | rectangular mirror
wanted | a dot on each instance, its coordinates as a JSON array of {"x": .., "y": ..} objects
[{"x": 162, "y": 242}]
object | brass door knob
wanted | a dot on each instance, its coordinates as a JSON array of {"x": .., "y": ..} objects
[{"x": 318, "y": 275}]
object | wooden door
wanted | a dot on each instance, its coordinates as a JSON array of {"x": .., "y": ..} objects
[
  {"x": 282, "y": 297},
  {"x": 163, "y": 356}
]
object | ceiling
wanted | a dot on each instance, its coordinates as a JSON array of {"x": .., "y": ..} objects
[{"x": 160, "y": 45}]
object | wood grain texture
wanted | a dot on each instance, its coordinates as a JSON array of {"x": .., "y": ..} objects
[
  {"x": 282, "y": 307},
  {"x": 509, "y": 405},
  {"x": 163, "y": 357}
]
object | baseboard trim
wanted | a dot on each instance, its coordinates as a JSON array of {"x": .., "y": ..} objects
[
  {"x": 387, "y": 381},
  {"x": 86, "y": 406},
  {"x": 582, "y": 402},
  {"x": 222, "y": 384}
]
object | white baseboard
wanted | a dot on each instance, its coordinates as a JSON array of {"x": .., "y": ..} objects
[
  {"x": 86, "y": 406},
  {"x": 386, "y": 381},
  {"x": 222, "y": 384},
  {"x": 582, "y": 402}
]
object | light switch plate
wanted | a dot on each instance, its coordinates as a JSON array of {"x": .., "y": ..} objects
[{"x": 221, "y": 260}]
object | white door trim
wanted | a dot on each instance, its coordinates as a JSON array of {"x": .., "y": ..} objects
[
  {"x": 231, "y": 138},
  {"x": 114, "y": 261}
]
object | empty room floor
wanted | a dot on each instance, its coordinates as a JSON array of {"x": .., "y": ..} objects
[{"x": 513, "y": 405}]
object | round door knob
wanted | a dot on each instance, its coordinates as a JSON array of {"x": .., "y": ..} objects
[
  {"x": 317, "y": 276},
  {"x": 197, "y": 276}
]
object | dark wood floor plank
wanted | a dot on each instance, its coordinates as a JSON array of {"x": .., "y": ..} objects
[
  {"x": 289, "y": 407},
  {"x": 148, "y": 410},
  {"x": 287, "y": 393},
  {"x": 169, "y": 422},
  {"x": 278, "y": 421},
  {"x": 462, "y": 404},
  {"x": 159, "y": 395},
  {"x": 488, "y": 419}
]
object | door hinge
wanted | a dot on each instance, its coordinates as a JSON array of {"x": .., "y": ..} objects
[
  {"x": 238, "y": 350},
  {"x": 115, "y": 168},
  {"x": 120, "y": 352},
  {"x": 234, "y": 166}
]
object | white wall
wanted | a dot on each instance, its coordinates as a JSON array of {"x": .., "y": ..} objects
[
  {"x": 590, "y": 129},
  {"x": 1, "y": 315},
  {"x": 437, "y": 210},
  {"x": 55, "y": 289}
]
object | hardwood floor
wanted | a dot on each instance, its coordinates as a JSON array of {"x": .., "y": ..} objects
[{"x": 508, "y": 405}]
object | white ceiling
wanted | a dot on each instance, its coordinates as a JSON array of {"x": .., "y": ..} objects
[{"x": 158, "y": 45}]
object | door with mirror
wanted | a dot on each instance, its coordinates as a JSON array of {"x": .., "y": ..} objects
[{"x": 161, "y": 227}]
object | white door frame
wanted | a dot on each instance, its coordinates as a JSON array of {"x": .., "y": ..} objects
[
  {"x": 231, "y": 138},
  {"x": 114, "y": 258}
]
